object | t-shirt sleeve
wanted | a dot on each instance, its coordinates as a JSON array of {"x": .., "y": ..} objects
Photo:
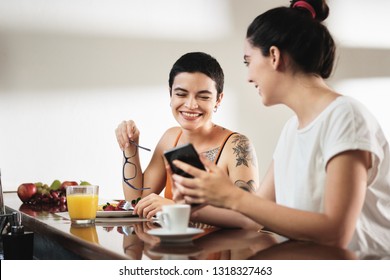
[{"x": 352, "y": 128}]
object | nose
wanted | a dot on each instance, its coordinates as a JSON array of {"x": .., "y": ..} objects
[
  {"x": 191, "y": 103},
  {"x": 249, "y": 76}
]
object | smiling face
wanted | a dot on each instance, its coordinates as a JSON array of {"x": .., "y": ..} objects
[
  {"x": 262, "y": 72},
  {"x": 193, "y": 99}
]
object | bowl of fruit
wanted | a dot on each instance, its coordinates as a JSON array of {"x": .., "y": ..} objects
[{"x": 43, "y": 194}]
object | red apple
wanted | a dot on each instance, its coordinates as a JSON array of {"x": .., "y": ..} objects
[
  {"x": 65, "y": 184},
  {"x": 26, "y": 191}
]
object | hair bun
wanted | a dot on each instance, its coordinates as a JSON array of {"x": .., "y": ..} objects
[{"x": 318, "y": 9}]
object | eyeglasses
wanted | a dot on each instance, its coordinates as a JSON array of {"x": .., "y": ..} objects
[{"x": 126, "y": 161}]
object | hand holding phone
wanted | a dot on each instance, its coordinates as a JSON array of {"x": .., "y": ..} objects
[{"x": 185, "y": 153}]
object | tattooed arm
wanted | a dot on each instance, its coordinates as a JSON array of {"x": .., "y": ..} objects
[
  {"x": 238, "y": 160},
  {"x": 246, "y": 186},
  {"x": 242, "y": 165}
]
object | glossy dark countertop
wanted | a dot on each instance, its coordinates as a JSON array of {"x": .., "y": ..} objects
[{"x": 56, "y": 238}]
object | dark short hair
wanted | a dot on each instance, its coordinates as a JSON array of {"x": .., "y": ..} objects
[
  {"x": 198, "y": 62},
  {"x": 294, "y": 31}
]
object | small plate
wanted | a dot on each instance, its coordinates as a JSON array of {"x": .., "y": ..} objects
[
  {"x": 114, "y": 214},
  {"x": 169, "y": 237}
]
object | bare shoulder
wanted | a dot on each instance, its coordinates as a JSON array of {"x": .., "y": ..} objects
[
  {"x": 172, "y": 132},
  {"x": 169, "y": 137}
]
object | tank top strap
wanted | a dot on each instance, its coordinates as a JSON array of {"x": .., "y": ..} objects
[
  {"x": 168, "y": 186},
  {"x": 223, "y": 145},
  {"x": 177, "y": 138}
]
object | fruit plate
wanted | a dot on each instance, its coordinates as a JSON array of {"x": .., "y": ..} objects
[{"x": 115, "y": 214}]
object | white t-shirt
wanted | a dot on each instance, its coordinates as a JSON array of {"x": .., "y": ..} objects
[{"x": 301, "y": 157}]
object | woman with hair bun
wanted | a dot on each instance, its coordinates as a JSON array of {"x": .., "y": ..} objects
[{"x": 329, "y": 181}]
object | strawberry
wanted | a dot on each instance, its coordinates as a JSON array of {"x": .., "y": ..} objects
[
  {"x": 108, "y": 207},
  {"x": 119, "y": 207}
]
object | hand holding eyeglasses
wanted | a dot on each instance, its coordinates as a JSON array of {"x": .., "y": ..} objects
[
  {"x": 127, "y": 161},
  {"x": 127, "y": 133}
]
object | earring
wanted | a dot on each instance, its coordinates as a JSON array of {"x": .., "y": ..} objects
[{"x": 215, "y": 109}]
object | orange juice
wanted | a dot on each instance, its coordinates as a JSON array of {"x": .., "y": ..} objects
[
  {"x": 82, "y": 206},
  {"x": 87, "y": 233}
]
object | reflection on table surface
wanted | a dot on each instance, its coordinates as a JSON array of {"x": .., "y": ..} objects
[
  {"x": 129, "y": 239},
  {"x": 226, "y": 244}
]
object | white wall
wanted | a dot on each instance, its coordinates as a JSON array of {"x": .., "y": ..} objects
[
  {"x": 69, "y": 135},
  {"x": 70, "y": 71}
]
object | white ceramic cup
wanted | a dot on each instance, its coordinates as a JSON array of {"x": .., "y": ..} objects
[{"x": 174, "y": 218}]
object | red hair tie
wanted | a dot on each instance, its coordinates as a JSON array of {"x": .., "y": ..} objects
[{"x": 305, "y": 5}]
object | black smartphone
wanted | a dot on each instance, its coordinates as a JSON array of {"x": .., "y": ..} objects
[{"x": 185, "y": 153}]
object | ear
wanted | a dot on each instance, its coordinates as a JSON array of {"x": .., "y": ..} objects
[
  {"x": 219, "y": 100},
  {"x": 276, "y": 57}
]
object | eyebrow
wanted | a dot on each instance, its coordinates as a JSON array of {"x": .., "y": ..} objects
[
  {"x": 205, "y": 91},
  {"x": 179, "y": 88},
  {"x": 246, "y": 57}
]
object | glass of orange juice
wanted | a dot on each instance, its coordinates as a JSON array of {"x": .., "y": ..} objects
[{"x": 82, "y": 203}]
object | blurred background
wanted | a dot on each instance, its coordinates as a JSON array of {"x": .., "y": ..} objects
[{"x": 72, "y": 70}]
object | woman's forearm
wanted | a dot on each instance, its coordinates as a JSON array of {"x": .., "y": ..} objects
[
  {"x": 223, "y": 218},
  {"x": 289, "y": 222}
]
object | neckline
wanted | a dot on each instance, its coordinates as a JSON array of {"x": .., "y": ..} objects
[
  {"x": 328, "y": 108},
  {"x": 217, "y": 149}
]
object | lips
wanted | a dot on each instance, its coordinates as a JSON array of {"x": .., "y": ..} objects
[{"x": 258, "y": 89}]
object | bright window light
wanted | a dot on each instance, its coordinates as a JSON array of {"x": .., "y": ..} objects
[
  {"x": 360, "y": 23},
  {"x": 170, "y": 19}
]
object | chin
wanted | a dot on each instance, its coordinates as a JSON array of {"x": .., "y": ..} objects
[
  {"x": 189, "y": 125},
  {"x": 265, "y": 102},
  {"x": 269, "y": 103}
]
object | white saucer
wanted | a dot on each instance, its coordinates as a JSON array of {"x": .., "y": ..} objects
[
  {"x": 169, "y": 237},
  {"x": 114, "y": 214}
]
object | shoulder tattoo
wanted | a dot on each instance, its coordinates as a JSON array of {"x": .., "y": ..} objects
[{"x": 243, "y": 151}]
